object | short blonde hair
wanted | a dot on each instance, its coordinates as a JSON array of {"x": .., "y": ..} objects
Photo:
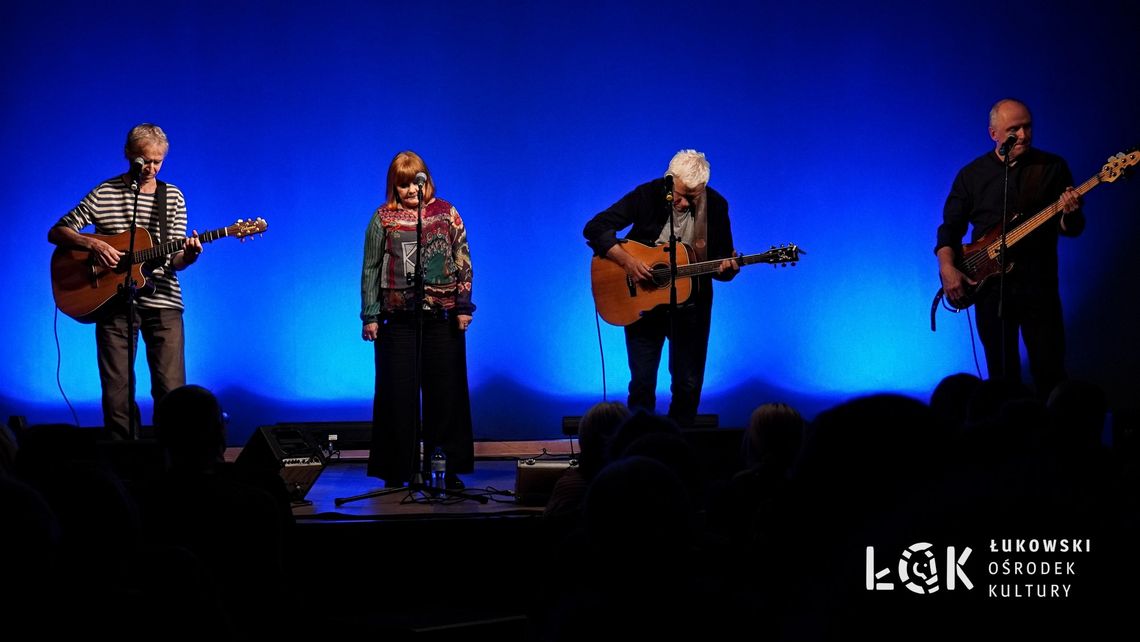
[
  {"x": 691, "y": 168},
  {"x": 401, "y": 171},
  {"x": 145, "y": 133}
]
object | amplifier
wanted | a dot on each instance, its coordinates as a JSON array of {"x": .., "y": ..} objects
[
  {"x": 535, "y": 479},
  {"x": 289, "y": 451}
]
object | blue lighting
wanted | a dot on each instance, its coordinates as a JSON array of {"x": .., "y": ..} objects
[{"x": 837, "y": 130}]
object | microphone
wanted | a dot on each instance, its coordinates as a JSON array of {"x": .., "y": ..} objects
[
  {"x": 420, "y": 179},
  {"x": 669, "y": 188},
  {"x": 136, "y": 170},
  {"x": 1008, "y": 145}
]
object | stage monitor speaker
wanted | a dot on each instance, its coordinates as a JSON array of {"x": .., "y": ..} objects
[
  {"x": 289, "y": 451},
  {"x": 535, "y": 479}
]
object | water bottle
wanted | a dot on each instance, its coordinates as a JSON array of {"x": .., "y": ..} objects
[{"x": 438, "y": 468}]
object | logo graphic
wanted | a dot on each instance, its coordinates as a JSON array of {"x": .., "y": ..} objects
[
  {"x": 409, "y": 248},
  {"x": 918, "y": 570}
]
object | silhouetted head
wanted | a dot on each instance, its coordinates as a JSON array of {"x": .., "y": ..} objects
[
  {"x": 595, "y": 430},
  {"x": 190, "y": 426},
  {"x": 881, "y": 440},
  {"x": 990, "y": 395},
  {"x": 951, "y": 398},
  {"x": 672, "y": 450},
  {"x": 775, "y": 433},
  {"x": 638, "y": 424},
  {"x": 634, "y": 507},
  {"x": 1078, "y": 410}
]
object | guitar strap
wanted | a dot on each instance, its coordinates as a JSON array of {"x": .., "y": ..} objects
[
  {"x": 700, "y": 227},
  {"x": 162, "y": 211},
  {"x": 1029, "y": 191}
]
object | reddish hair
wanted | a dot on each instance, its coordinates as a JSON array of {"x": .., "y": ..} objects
[{"x": 402, "y": 171}]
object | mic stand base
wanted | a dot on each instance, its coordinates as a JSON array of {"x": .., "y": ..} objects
[{"x": 415, "y": 486}]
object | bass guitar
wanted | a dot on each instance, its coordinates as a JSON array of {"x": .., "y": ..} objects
[
  {"x": 981, "y": 260},
  {"x": 81, "y": 287},
  {"x": 621, "y": 300}
]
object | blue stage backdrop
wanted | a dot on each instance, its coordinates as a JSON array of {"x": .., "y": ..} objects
[{"x": 835, "y": 126}]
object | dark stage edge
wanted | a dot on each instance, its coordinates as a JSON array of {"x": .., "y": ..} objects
[{"x": 431, "y": 569}]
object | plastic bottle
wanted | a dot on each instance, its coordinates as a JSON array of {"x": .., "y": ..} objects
[{"x": 438, "y": 468}]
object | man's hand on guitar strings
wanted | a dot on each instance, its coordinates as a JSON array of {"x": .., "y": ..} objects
[{"x": 192, "y": 248}]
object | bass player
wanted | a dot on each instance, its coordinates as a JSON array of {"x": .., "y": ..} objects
[{"x": 1029, "y": 301}]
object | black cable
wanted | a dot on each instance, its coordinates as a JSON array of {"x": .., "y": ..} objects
[
  {"x": 938, "y": 298},
  {"x": 974, "y": 345},
  {"x": 601, "y": 353},
  {"x": 59, "y": 365}
]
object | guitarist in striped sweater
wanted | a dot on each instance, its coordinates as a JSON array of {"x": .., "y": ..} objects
[
  {"x": 162, "y": 212},
  {"x": 700, "y": 219}
]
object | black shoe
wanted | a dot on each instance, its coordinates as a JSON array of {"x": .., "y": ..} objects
[{"x": 453, "y": 482}]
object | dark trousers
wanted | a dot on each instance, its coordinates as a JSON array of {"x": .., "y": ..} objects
[
  {"x": 163, "y": 335},
  {"x": 446, "y": 405},
  {"x": 688, "y": 348},
  {"x": 1038, "y": 320}
]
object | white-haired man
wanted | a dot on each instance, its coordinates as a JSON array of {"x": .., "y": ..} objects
[{"x": 700, "y": 220}]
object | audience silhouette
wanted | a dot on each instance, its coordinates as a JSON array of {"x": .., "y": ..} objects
[
  {"x": 657, "y": 551},
  {"x": 230, "y": 532},
  {"x": 595, "y": 430}
]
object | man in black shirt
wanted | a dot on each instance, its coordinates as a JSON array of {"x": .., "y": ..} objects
[{"x": 1032, "y": 301}]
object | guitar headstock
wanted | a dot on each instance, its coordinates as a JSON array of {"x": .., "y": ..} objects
[
  {"x": 784, "y": 255},
  {"x": 1116, "y": 165},
  {"x": 248, "y": 227}
]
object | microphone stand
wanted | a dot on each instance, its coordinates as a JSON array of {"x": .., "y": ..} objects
[
  {"x": 672, "y": 247},
  {"x": 1002, "y": 247},
  {"x": 130, "y": 289},
  {"x": 672, "y": 268},
  {"x": 419, "y": 301}
]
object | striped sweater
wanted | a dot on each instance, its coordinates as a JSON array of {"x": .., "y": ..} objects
[{"x": 108, "y": 208}]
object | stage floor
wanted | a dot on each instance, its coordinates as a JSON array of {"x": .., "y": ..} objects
[
  {"x": 361, "y": 497},
  {"x": 373, "y": 550},
  {"x": 493, "y": 480}
]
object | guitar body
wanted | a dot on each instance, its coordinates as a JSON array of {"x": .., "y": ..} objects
[
  {"x": 621, "y": 300},
  {"x": 81, "y": 288},
  {"x": 981, "y": 261}
]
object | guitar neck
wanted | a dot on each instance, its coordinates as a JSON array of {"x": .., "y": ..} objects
[
  {"x": 170, "y": 247},
  {"x": 710, "y": 267},
  {"x": 1023, "y": 230}
]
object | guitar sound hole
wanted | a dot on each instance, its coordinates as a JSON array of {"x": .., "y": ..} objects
[{"x": 660, "y": 275}]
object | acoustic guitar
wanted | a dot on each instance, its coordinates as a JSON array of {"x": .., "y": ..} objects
[
  {"x": 81, "y": 287},
  {"x": 621, "y": 300},
  {"x": 981, "y": 260}
]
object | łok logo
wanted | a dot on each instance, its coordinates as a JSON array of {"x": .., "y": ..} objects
[{"x": 918, "y": 570}]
